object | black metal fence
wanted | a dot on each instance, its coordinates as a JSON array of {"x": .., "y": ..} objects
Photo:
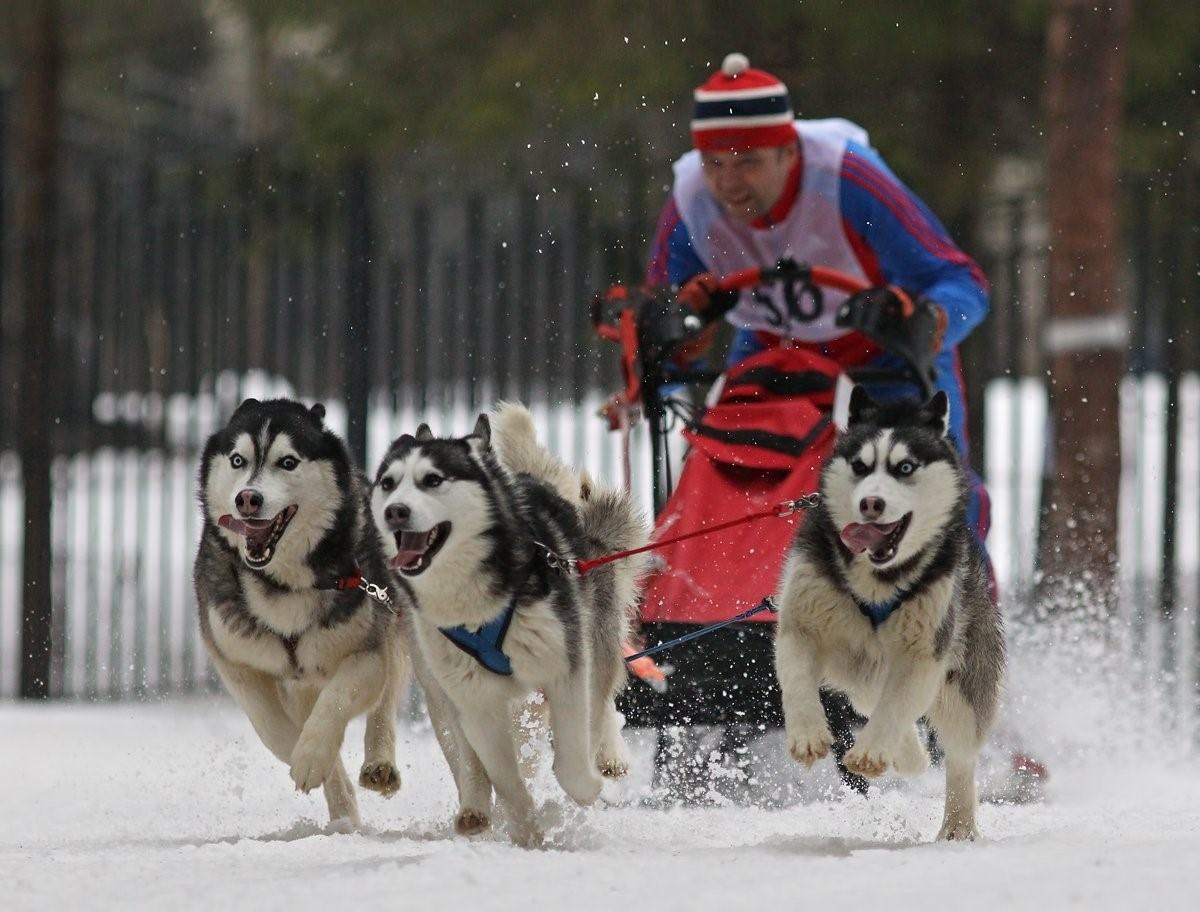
[{"x": 191, "y": 272}]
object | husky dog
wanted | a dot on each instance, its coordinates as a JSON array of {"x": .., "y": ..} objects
[
  {"x": 884, "y": 595},
  {"x": 287, "y": 542},
  {"x": 472, "y": 530}
]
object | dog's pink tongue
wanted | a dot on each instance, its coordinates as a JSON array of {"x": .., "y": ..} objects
[
  {"x": 859, "y": 537},
  {"x": 410, "y": 548},
  {"x": 236, "y": 526}
]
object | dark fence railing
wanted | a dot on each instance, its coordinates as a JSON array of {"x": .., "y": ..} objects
[{"x": 190, "y": 275}]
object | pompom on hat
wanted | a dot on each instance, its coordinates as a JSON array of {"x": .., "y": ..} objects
[{"x": 741, "y": 108}]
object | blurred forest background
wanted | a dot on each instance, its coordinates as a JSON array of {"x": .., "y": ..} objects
[{"x": 948, "y": 90}]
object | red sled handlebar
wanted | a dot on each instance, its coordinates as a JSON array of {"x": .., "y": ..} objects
[
  {"x": 624, "y": 330},
  {"x": 817, "y": 275}
]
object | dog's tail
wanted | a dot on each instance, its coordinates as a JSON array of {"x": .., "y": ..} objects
[
  {"x": 517, "y": 447},
  {"x": 612, "y": 519}
]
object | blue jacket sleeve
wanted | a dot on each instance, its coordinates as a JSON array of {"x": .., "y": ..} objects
[
  {"x": 911, "y": 247},
  {"x": 673, "y": 260}
]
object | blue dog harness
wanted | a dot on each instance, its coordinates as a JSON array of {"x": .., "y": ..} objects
[
  {"x": 486, "y": 644},
  {"x": 878, "y": 612}
]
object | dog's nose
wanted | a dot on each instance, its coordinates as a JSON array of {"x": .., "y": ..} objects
[
  {"x": 248, "y": 501},
  {"x": 872, "y": 507},
  {"x": 396, "y": 515}
]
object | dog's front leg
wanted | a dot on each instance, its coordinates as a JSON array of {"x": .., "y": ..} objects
[
  {"x": 797, "y": 667},
  {"x": 488, "y": 730},
  {"x": 889, "y": 738},
  {"x": 470, "y": 778},
  {"x": 608, "y": 745},
  {"x": 298, "y": 701},
  {"x": 258, "y": 695},
  {"x": 355, "y": 687}
]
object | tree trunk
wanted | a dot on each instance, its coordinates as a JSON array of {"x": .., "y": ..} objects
[
  {"x": 37, "y": 102},
  {"x": 1086, "y": 334}
]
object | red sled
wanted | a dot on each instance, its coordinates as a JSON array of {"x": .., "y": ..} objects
[{"x": 761, "y": 444}]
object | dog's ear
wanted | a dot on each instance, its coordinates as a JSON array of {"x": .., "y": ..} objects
[
  {"x": 246, "y": 404},
  {"x": 318, "y": 413},
  {"x": 861, "y": 406},
  {"x": 937, "y": 412},
  {"x": 424, "y": 434},
  {"x": 483, "y": 432},
  {"x": 404, "y": 440}
]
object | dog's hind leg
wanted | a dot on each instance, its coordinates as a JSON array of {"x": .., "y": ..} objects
[
  {"x": 912, "y": 759},
  {"x": 339, "y": 796},
  {"x": 570, "y": 723},
  {"x": 958, "y": 733},
  {"x": 612, "y": 760},
  {"x": 470, "y": 778},
  {"x": 354, "y": 688},
  {"x": 258, "y": 695},
  {"x": 379, "y": 773},
  {"x": 488, "y": 729}
]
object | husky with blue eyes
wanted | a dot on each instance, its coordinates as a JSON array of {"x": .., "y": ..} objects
[
  {"x": 885, "y": 596},
  {"x": 284, "y": 574}
]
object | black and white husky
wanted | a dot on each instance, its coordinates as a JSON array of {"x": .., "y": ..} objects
[
  {"x": 302, "y": 648},
  {"x": 467, "y": 528},
  {"x": 884, "y": 595}
]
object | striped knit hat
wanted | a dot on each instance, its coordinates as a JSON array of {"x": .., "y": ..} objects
[{"x": 740, "y": 108}]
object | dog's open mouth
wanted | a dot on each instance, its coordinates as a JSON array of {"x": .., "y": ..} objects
[
  {"x": 261, "y": 535},
  {"x": 880, "y": 540},
  {"x": 415, "y": 550}
]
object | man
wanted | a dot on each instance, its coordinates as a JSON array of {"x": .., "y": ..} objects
[{"x": 760, "y": 186}]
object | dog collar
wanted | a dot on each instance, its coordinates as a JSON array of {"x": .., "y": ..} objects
[
  {"x": 355, "y": 580},
  {"x": 486, "y": 644}
]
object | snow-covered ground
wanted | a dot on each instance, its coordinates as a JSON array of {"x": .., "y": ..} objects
[{"x": 175, "y": 805}]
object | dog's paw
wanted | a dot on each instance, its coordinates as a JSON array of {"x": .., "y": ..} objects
[
  {"x": 810, "y": 745},
  {"x": 611, "y": 760},
  {"x": 911, "y": 757},
  {"x": 469, "y": 822},
  {"x": 612, "y": 768},
  {"x": 312, "y": 761},
  {"x": 583, "y": 785},
  {"x": 868, "y": 760},
  {"x": 958, "y": 831},
  {"x": 584, "y": 790},
  {"x": 527, "y": 835},
  {"x": 380, "y": 776}
]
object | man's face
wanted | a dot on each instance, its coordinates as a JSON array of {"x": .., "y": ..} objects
[{"x": 748, "y": 183}]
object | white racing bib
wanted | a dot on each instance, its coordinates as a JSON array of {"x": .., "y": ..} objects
[{"x": 811, "y": 233}]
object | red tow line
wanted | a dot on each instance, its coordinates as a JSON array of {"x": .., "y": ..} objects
[{"x": 781, "y": 510}]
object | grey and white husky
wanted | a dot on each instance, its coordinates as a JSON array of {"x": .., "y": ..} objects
[
  {"x": 884, "y": 595},
  {"x": 467, "y": 527},
  {"x": 287, "y": 539}
]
